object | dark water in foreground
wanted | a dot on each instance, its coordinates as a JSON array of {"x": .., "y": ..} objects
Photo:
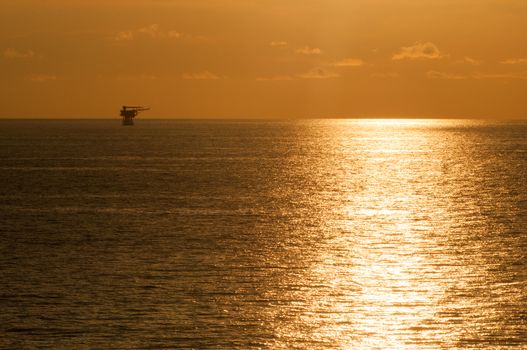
[{"x": 273, "y": 235}]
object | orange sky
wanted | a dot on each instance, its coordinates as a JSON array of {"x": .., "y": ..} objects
[{"x": 263, "y": 59}]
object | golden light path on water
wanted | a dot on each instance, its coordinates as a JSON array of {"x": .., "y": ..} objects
[{"x": 405, "y": 260}]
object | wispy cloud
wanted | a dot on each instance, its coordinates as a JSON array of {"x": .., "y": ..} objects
[
  {"x": 319, "y": 73},
  {"x": 308, "y": 51},
  {"x": 348, "y": 62},
  {"x": 204, "y": 75},
  {"x": 472, "y": 61},
  {"x": 12, "y": 53},
  {"x": 278, "y": 43},
  {"x": 124, "y": 36},
  {"x": 506, "y": 76},
  {"x": 479, "y": 75},
  {"x": 151, "y": 30},
  {"x": 515, "y": 61},
  {"x": 174, "y": 34},
  {"x": 418, "y": 51},
  {"x": 444, "y": 75},
  {"x": 41, "y": 78},
  {"x": 155, "y": 31},
  {"x": 276, "y": 78}
]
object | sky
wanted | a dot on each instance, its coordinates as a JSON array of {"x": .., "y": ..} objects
[{"x": 264, "y": 58}]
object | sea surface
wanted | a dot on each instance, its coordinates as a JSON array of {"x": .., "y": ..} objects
[{"x": 307, "y": 234}]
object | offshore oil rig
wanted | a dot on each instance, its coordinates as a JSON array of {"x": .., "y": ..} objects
[{"x": 130, "y": 112}]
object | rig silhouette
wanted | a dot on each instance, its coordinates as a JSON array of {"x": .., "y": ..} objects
[{"x": 130, "y": 112}]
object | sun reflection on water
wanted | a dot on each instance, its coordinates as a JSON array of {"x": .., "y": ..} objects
[{"x": 384, "y": 283}]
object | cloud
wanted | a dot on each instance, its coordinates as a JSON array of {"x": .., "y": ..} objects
[
  {"x": 417, "y": 51},
  {"x": 152, "y": 30},
  {"x": 471, "y": 61},
  {"x": 41, "y": 78},
  {"x": 481, "y": 76},
  {"x": 205, "y": 75},
  {"x": 318, "y": 73},
  {"x": 309, "y": 51},
  {"x": 174, "y": 34},
  {"x": 506, "y": 76},
  {"x": 155, "y": 31},
  {"x": 11, "y": 53},
  {"x": 124, "y": 36},
  {"x": 276, "y": 78},
  {"x": 515, "y": 61},
  {"x": 278, "y": 43},
  {"x": 349, "y": 62},
  {"x": 444, "y": 75}
]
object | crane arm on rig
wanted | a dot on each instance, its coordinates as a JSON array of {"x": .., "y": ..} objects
[{"x": 137, "y": 108}]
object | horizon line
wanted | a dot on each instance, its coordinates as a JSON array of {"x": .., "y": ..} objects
[{"x": 73, "y": 118}]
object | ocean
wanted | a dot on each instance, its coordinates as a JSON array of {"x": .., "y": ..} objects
[{"x": 238, "y": 234}]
